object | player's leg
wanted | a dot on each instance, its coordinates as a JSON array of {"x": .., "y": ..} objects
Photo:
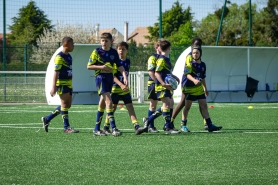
[
  {"x": 204, "y": 108},
  {"x": 166, "y": 102},
  {"x": 188, "y": 104},
  {"x": 110, "y": 113},
  {"x": 46, "y": 119},
  {"x": 152, "y": 108},
  {"x": 178, "y": 108},
  {"x": 66, "y": 100},
  {"x": 205, "y": 124},
  {"x": 171, "y": 113},
  {"x": 115, "y": 100},
  {"x": 129, "y": 105}
]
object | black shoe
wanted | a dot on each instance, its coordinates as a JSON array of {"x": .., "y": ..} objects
[
  {"x": 45, "y": 124},
  {"x": 214, "y": 128},
  {"x": 141, "y": 130}
]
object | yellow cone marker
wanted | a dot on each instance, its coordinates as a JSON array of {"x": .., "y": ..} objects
[{"x": 250, "y": 107}]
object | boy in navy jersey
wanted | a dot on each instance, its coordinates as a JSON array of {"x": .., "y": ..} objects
[
  {"x": 102, "y": 61},
  {"x": 181, "y": 104},
  {"x": 62, "y": 85},
  {"x": 120, "y": 91},
  {"x": 163, "y": 90},
  {"x": 194, "y": 86},
  {"x": 151, "y": 87}
]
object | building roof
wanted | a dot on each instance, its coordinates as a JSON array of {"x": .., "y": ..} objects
[{"x": 138, "y": 35}]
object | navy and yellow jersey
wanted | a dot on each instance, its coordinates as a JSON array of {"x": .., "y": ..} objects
[
  {"x": 63, "y": 64},
  {"x": 188, "y": 59},
  {"x": 151, "y": 66},
  {"x": 198, "y": 71},
  {"x": 163, "y": 67},
  {"x": 116, "y": 88},
  {"x": 101, "y": 57}
]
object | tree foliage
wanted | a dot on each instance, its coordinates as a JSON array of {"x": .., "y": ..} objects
[
  {"x": 49, "y": 40},
  {"x": 171, "y": 22},
  {"x": 235, "y": 27},
  {"x": 29, "y": 24}
]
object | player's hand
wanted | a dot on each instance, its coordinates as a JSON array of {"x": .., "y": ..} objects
[
  {"x": 168, "y": 86},
  {"x": 124, "y": 87},
  {"x": 125, "y": 81},
  {"x": 196, "y": 82},
  {"x": 53, "y": 92},
  {"x": 206, "y": 92},
  {"x": 106, "y": 69}
]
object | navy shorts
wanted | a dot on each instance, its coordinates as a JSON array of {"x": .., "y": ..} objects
[
  {"x": 151, "y": 92},
  {"x": 125, "y": 98},
  {"x": 63, "y": 89},
  {"x": 194, "y": 98},
  {"x": 164, "y": 93},
  {"x": 104, "y": 83}
]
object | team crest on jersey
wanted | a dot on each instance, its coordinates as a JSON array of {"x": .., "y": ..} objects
[
  {"x": 150, "y": 66},
  {"x": 112, "y": 57},
  {"x": 56, "y": 66}
]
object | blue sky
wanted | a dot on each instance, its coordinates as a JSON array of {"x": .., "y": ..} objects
[{"x": 111, "y": 13}]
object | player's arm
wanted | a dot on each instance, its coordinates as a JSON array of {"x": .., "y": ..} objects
[
  {"x": 205, "y": 86},
  {"x": 178, "y": 80},
  {"x": 123, "y": 72},
  {"x": 160, "y": 63},
  {"x": 191, "y": 78},
  {"x": 92, "y": 64},
  {"x": 151, "y": 67},
  {"x": 152, "y": 75},
  {"x": 55, "y": 78},
  {"x": 123, "y": 86}
]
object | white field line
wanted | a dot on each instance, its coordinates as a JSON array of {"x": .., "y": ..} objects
[
  {"x": 23, "y": 126},
  {"x": 34, "y": 111}
]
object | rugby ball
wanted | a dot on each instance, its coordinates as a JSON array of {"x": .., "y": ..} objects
[{"x": 172, "y": 81}]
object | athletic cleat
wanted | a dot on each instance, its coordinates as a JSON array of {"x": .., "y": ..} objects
[
  {"x": 176, "y": 129},
  {"x": 116, "y": 132},
  {"x": 146, "y": 122},
  {"x": 107, "y": 131},
  {"x": 205, "y": 127},
  {"x": 141, "y": 130},
  {"x": 153, "y": 130},
  {"x": 99, "y": 133},
  {"x": 184, "y": 129},
  {"x": 45, "y": 124},
  {"x": 70, "y": 130},
  {"x": 214, "y": 128},
  {"x": 171, "y": 131}
]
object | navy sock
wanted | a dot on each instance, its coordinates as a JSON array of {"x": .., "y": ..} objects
[{"x": 55, "y": 113}]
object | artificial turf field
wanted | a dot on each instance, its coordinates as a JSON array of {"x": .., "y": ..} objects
[{"x": 245, "y": 151}]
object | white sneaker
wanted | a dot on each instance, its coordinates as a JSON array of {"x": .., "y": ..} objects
[{"x": 116, "y": 132}]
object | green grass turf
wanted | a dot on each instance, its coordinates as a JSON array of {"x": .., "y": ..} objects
[{"x": 244, "y": 152}]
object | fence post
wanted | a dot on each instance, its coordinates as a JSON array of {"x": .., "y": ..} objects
[{"x": 140, "y": 87}]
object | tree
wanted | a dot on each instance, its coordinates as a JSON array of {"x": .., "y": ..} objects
[
  {"x": 235, "y": 27},
  {"x": 266, "y": 27},
  {"x": 171, "y": 22},
  {"x": 29, "y": 24},
  {"x": 183, "y": 36},
  {"x": 49, "y": 40}
]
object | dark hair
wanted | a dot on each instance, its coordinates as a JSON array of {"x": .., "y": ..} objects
[
  {"x": 164, "y": 44},
  {"x": 198, "y": 40},
  {"x": 66, "y": 40},
  {"x": 123, "y": 44},
  {"x": 106, "y": 35}
]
